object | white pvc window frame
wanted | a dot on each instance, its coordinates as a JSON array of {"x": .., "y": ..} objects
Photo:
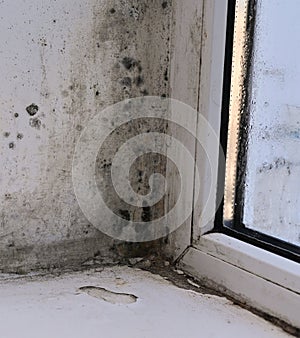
[{"x": 256, "y": 277}]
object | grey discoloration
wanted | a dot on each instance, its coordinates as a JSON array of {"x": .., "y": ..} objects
[
  {"x": 277, "y": 164},
  {"x": 83, "y": 56},
  {"x": 126, "y": 81},
  {"x": 130, "y": 63},
  {"x": 35, "y": 123}
]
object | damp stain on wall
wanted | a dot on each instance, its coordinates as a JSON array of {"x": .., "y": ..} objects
[{"x": 70, "y": 61}]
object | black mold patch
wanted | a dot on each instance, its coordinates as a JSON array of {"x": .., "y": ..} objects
[
  {"x": 6, "y": 134},
  {"x": 125, "y": 214},
  {"x": 32, "y": 109},
  {"x": 166, "y": 77},
  {"x": 20, "y": 136},
  {"x": 16, "y": 115},
  {"x": 129, "y": 63},
  {"x": 146, "y": 214},
  {"x": 112, "y": 11},
  {"x": 11, "y": 145},
  {"x": 35, "y": 123},
  {"x": 164, "y": 5}
]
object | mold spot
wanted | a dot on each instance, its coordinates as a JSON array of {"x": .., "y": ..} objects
[
  {"x": 11, "y": 145},
  {"x": 126, "y": 81},
  {"x": 129, "y": 63},
  {"x": 97, "y": 93},
  {"x": 35, "y": 123},
  {"x": 164, "y": 4},
  {"x": 146, "y": 214},
  {"x": 134, "y": 12},
  {"x": 124, "y": 214},
  {"x": 138, "y": 81},
  {"x": 112, "y": 11},
  {"x": 20, "y": 136},
  {"x": 11, "y": 244},
  {"x": 6, "y": 134},
  {"x": 16, "y": 115},
  {"x": 8, "y": 196},
  {"x": 166, "y": 75},
  {"x": 79, "y": 127},
  {"x": 32, "y": 109},
  {"x": 144, "y": 92}
]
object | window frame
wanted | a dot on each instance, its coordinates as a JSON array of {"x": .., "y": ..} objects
[
  {"x": 234, "y": 226},
  {"x": 244, "y": 268}
]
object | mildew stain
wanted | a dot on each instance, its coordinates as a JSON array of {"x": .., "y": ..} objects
[{"x": 35, "y": 123}]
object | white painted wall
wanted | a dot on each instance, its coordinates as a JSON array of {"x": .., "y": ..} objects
[
  {"x": 272, "y": 196},
  {"x": 66, "y": 57}
]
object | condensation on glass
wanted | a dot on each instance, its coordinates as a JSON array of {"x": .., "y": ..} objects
[{"x": 271, "y": 194}]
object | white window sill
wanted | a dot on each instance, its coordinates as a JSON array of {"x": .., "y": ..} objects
[{"x": 256, "y": 277}]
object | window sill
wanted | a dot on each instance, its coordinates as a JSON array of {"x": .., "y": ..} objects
[{"x": 256, "y": 277}]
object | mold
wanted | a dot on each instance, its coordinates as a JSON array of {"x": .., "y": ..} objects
[
  {"x": 124, "y": 214},
  {"x": 11, "y": 145},
  {"x": 146, "y": 214},
  {"x": 16, "y": 115},
  {"x": 11, "y": 244},
  {"x": 6, "y": 134},
  {"x": 144, "y": 92},
  {"x": 134, "y": 12},
  {"x": 166, "y": 77},
  {"x": 164, "y": 5},
  {"x": 20, "y": 136},
  {"x": 35, "y": 123},
  {"x": 112, "y": 11},
  {"x": 129, "y": 63},
  {"x": 138, "y": 80},
  {"x": 277, "y": 164},
  {"x": 105, "y": 165},
  {"x": 126, "y": 81},
  {"x": 79, "y": 127},
  {"x": 32, "y": 109}
]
